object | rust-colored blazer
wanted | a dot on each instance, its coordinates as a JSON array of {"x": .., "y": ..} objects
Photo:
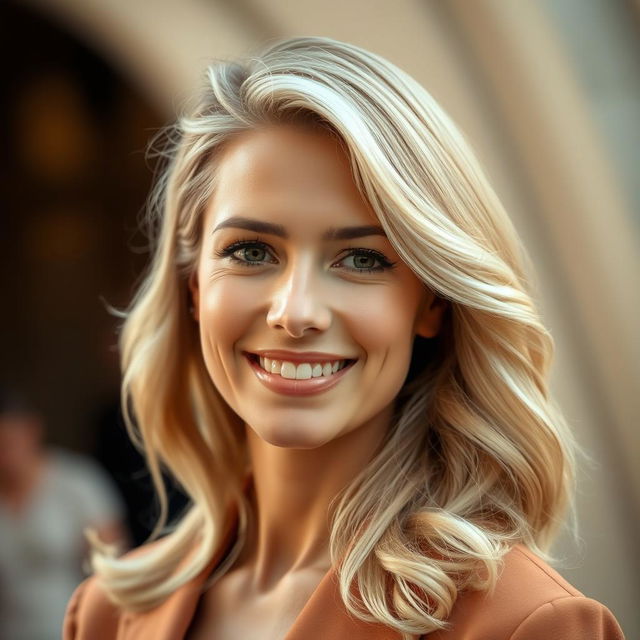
[{"x": 531, "y": 602}]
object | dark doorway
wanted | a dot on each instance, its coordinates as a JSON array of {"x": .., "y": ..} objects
[{"x": 73, "y": 183}]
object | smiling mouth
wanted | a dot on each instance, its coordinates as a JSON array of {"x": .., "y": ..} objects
[
  {"x": 307, "y": 384},
  {"x": 301, "y": 370}
]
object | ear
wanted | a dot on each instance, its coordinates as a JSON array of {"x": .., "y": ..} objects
[
  {"x": 194, "y": 294},
  {"x": 430, "y": 316}
]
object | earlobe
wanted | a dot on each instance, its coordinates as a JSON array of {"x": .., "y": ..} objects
[
  {"x": 431, "y": 316},
  {"x": 194, "y": 295}
]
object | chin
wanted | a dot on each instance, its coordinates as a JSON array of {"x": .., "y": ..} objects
[{"x": 291, "y": 437}]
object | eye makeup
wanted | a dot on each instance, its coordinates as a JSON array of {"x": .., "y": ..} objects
[{"x": 238, "y": 252}]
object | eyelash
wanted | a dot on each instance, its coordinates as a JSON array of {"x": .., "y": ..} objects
[{"x": 228, "y": 252}]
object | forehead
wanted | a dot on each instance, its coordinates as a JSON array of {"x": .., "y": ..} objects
[{"x": 289, "y": 175}]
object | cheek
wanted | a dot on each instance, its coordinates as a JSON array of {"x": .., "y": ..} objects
[
  {"x": 381, "y": 320},
  {"x": 227, "y": 305},
  {"x": 382, "y": 325},
  {"x": 226, "y": 314}
]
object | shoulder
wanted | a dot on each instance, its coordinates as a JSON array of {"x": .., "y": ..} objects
[
  {"x": 70, "y": 467},
  {"x": 75, "y": 472},
  {"x": 90, "y": 614},
  {"x": 531, "y": 601},
  {"x": 70, "y": 463},
  {"x": 89, "y": 487}
]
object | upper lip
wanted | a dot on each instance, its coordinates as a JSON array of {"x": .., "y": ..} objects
[{"x": 299, "y": 356}]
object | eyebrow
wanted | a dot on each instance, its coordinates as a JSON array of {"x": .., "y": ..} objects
[{"x": 332, "y": 233}]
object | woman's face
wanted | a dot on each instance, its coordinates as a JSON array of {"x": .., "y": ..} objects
[{"x": 294, "y": 267}]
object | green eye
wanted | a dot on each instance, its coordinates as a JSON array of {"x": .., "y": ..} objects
[
  {"x": 250, "y": 253},
  {"x": 364, "y": 261},
  {"x": 253, "y": 253}
]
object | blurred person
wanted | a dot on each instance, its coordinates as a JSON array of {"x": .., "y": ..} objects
[
  {"x": 337, "y": 353},
  {"x": 48, "y": 497}
]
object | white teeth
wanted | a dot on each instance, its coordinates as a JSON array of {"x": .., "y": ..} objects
[
  {"x": 302, "y": 371},
  {"x": 288, "y": 370}
]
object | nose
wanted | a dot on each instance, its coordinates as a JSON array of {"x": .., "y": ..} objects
[{"x": 297, "y": 304}]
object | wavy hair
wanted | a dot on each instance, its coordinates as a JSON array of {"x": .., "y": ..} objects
[{"x": 477, "y": 458}]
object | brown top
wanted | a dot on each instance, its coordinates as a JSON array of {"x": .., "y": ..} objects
[{"x": 531, "y": 602}]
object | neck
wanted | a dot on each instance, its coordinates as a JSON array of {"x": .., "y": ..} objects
[{"x": 292, "y": 496}]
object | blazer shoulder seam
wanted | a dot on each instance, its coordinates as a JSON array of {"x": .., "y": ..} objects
[
  {"x": 70, "y": 622},
  {"x": 541, "y": 567},
  {"x": 545, "y": 604}
]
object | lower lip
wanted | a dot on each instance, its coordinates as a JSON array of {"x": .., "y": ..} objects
[{"x": 290, "y": 387}]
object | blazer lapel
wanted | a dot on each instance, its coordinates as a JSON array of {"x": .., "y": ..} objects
[
  {"x": 171, "y": 619},
  {"x": 168, "y": 621},
  {"x": 325, "y": 617}
]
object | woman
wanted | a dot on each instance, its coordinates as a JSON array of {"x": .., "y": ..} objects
[{"x": 336, "y": 354}]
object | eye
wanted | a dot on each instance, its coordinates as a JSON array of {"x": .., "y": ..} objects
[
  {"x": 364, "y": 261},
  {"x": 254, "y": 253},
  {"x": 246, "y": 252}
]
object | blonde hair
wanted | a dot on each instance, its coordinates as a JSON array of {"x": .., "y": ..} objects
[{"x": 477, "y": 457}]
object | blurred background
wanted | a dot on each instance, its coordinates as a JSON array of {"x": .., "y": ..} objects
[{"x": 547, "y": 92}]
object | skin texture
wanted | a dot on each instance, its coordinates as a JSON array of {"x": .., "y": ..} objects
[{"x": 306, "y": 294}]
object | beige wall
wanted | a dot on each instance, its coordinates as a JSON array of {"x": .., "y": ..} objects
[{"x": 501, "y": 70}]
